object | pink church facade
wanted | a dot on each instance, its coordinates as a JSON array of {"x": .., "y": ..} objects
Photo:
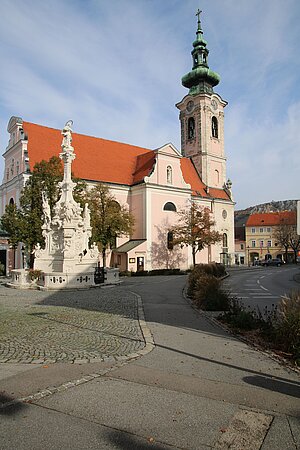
[{"x": 153, "y": 184}]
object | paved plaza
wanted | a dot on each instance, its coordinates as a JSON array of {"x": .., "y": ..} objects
[
  {"x": 79, "y": 374},
  {"x": 68, "y": 326}
]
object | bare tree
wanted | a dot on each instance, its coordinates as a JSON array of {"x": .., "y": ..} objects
[{"x": 195, "y": 228}]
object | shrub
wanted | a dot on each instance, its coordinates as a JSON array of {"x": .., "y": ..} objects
[
  {"x": 208, "y": 294},
  {"x": 239, "y": 318},
  {"x": 212, "y": 269},
  {"x": 34, "y": 274},
  {"x": 287, "y": 326}
]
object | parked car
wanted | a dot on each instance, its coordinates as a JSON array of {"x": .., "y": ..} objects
[{"x": 272, "y": 262}]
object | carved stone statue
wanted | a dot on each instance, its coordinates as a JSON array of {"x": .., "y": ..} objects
[
  {"x": 67, "y": 135},
  {"x": 46, "y": 209}
]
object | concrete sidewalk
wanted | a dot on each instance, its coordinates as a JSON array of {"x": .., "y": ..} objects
[{"x": 199, "y": 388}]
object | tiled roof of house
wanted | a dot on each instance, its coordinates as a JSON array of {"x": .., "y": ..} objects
[
  {"x": 272, "y": 218},
  {"x": 107, "y": 161}
]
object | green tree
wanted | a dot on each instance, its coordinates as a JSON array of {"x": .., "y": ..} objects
[
  {"x": 195, "y": 228},
  {"x": 12, "y": 223},
  {"x": 109, "y": 219},
  {"x": 45, "y": 177},
  {"x": 24, "y": 224}
]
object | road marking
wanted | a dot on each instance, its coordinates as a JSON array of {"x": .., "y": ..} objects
[
  {"x": 265, "y": 296},
  {"x": 252, "y": 289},
  {"x": 262, "y": 287},
  {"x": 246, "y": 430}
]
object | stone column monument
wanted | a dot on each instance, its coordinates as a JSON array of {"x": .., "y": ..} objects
[{"x": 67, "y": 259}]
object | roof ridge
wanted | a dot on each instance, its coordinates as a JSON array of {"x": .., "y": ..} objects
[{"x": 90, "y": 136}]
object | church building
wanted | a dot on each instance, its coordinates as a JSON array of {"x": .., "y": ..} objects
[{"x": 153, "y": 184}]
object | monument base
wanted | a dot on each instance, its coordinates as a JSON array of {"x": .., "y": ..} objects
[{"x": 22, "y": 279}]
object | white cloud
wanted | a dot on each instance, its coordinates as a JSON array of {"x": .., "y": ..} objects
[{"x": 115, "y": 69}]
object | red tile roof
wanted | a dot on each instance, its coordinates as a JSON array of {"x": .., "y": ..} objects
[
  {"x": 108, "y": 161},
  {"x": 191, "y": 177},
  {"x": 96, "y": 159},
  {"x": 274, "y": 218}
]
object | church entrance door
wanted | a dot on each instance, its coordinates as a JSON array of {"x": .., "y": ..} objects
[{"x": 140, "y": 263}]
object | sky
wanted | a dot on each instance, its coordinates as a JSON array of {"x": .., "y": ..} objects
[{"x": 114, "y": 67}]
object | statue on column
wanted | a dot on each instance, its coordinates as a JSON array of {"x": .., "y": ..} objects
[
  {"x": 67, "y": 135},
  {"x": 46, "y": 209}
]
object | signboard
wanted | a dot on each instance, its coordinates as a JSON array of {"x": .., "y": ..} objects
[{"x": 132, "y": 260}]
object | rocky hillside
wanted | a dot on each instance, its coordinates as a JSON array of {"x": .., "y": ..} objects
[{"x": 241, "y": 216}]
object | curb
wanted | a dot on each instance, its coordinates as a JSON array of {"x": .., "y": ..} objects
[{"x": 209, "y": 316}]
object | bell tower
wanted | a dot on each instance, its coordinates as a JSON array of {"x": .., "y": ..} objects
[{"x": 202, "y": 117}]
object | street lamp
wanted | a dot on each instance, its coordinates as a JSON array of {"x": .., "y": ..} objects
[{"x": 248, "y": 250}]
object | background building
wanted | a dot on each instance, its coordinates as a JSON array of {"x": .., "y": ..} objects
[{"x": 262, "y": 235}]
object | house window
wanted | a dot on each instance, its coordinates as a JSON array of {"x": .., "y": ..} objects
[
  {"x": 252, "y": 230},
  {"x": 191, "y": 128},
  {"x": 17, "y": 167},
  {"x": 269, "y": 244},
  {"x": 242, "y": 246},
  {"x": 169, "y": 206},
  {"x": 170, "y": 239},
  {"x": 214, "y": 127},
  {"x": 169, "y": 175},
  {"x": 225, "y": 240},
  {"x": 268, "y": 230},
  {"x": 261, "y": 244},
  {"x": 252, "y": 243}
]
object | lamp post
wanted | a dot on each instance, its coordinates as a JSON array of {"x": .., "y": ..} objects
[{"x": 248, "y": 251}]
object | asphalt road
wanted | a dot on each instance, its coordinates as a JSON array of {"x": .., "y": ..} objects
[{"x": 262, "y": 287}]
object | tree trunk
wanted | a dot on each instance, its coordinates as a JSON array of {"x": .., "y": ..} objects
[
  {"x": 194, "y": 255},
  {"x": 104, "y": 256}
]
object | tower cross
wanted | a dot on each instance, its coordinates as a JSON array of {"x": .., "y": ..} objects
[{"x": 198, "y": 14}]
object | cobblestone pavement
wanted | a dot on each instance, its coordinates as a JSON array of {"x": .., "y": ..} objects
[{"x": 68, "y": 326}]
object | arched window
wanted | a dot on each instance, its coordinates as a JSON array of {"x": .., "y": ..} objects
[
  {"x": 214, "y": 127},
  {"x": 169, "y": 206},
  {"x": 191, "y": 128},
  {"x": 225, "y": 241},
  {"x": 11, "y": 201},
  {"x": 169, "y": 175},
  {"x": 170, "y": 240},
  {"x": 12, "y": 166}
]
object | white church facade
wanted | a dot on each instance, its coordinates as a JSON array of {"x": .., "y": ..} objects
[{"x": 153, "y": 184}]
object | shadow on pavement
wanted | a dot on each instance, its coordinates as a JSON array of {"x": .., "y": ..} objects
[
  {"x": 126, "y": 441},
  {"x": 290, "y": 386},
  {"x": 9, "y": 406},
  {"x": 273, "y": 384}
]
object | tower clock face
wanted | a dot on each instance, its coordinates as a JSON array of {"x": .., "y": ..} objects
[
  {"x": 214, "y": 104},
  {"x": 190, "y": 106}
]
